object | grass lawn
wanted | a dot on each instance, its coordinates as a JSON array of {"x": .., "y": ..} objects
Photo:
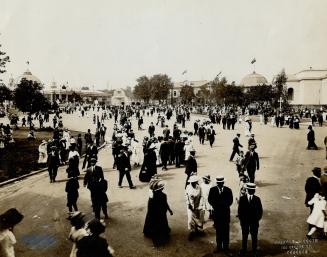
[{"x": 21, "y": 158}]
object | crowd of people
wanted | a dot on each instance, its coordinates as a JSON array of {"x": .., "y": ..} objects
[{"x": 154, "y": 154}]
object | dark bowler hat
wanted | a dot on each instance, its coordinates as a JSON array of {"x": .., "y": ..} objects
[
  {"x": 316, "y": 169},
  {"x": 251, "y": 186}
]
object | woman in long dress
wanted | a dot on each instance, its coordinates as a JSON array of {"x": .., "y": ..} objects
[
  {"x": 156, "y": 224},
  {"x": 247, "y": 127},
  {"x": 43, "y": 154},
  {"x": 8, "y": 221},
  {"x": 149, "y": 166},
  {"x": 195, "y": 207},
  {"x": 317, "y": 217},
  {"x": 77, "y": 231}
]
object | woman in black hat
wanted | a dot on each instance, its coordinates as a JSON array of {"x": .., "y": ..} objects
[
  {"x": 77, "y": 231},
  {"x": 94, "y": 245},
  {"x": 7, "y": 239}
]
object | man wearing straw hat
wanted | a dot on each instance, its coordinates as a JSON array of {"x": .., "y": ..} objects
[
  {"x": 221, "y": 198},
  {"x": 249, "y": 213}
]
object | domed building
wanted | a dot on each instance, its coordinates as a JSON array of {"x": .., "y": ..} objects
[
  {"x": 28, "y": 76},
  {"x": 253, "y": 79}
]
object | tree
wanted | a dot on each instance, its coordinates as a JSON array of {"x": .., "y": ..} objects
[
  {"x": 143, "y": 89},
  {"x": 233, "y": 95},
  {"x": 4, "y": 59},
  {"x": 74, "y": 97},
  {"x": 160, "y": 86},
  {"x": 218, "y": 88},
  {"x": 280, "y": 90},
  {"x": 187, "y": 94},
  {"x": 5, "y": 93},
  {"x": 29, "y": 98},
  {"x": 203, "y": 94},
  {"x": 261, "y": 94}
]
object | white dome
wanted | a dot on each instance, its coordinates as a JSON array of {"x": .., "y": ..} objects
[
  {"x": 28, "y": 76},
  {"x": 253, "y": 79}
]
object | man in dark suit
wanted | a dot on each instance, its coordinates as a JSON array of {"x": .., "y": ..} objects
[
  {"x": 191, "y": 166},
  {"x": 236, "y": 146},
  {"x": 211, "y": 135},
  {"x": 249, "y": 213},
  {"x": 202, "y": 133},
  {"x": 252, "y": 142},
  {"x": 151, "y": 130},
  {"x": 179, "y": 148},
  {"x": 221, "y": 198},
  {"x": 124, "y": 168},
  {"x": 251, "y": 162},
  {"x": 94, "y": 172},
  {"x": 166, "y": 132},
  {"x": 312, "y": 186},
  {"x": 164, "y": 153},
  {"x": 53, "y": 163}
]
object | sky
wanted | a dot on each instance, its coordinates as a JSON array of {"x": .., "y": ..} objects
[{"x": 109, "y": 44}]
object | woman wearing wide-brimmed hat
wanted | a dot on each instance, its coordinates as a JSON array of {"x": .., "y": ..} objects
[
  {"x": 195, "y": 206},
  {"x": 43, "y": 154},
  {"x": 77, "y": 231},
  {"x": 8, "y": 220},
  {"x": 156, "y": 224},
  {"x": 93, "y": 245}
]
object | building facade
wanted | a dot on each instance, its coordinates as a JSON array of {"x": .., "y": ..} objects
[{"x": 307, "y": 87}]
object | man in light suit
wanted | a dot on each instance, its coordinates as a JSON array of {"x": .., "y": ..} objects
[{"x": 249, "y": 213}]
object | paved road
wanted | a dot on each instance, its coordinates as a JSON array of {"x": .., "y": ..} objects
[{"x": 285, "y": 164}]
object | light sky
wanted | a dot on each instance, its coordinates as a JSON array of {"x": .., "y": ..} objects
[{"x": 107, "y": 43}]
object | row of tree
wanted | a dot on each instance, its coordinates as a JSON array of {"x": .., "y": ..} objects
[{"x": 219, "y": 91}]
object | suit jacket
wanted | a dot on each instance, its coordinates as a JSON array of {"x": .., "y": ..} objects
[
  {"x": 191, "y": 166},
  {"x": 251, "y": 161},
  {"x": 237, "y": 144},
  {"x": 221, "y": 203},
  {"x": 123, "y": 163},
  {"x": 250, "y": 212},
  {"x": 164, "y": 149},
  {"x": 53, "y": 160},
  {"x": 92, "y": 173},
  {"x": 312, "y": 186}
]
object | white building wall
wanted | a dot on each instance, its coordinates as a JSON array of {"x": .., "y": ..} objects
[
  {"x": 311, "y": 92},
  {"x": 323, "y": 92}
]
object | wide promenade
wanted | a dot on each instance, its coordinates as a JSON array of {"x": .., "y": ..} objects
[{"x": 285, "y": 165}]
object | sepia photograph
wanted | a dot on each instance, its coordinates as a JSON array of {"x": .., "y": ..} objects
[{"x": 163, "y": 128}]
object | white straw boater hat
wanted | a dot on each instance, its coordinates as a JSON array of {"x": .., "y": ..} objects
[
  {"x": 193, "y": 179},
  {"x": 251, "y": 186},
  {"x": 220, "y": 178}
]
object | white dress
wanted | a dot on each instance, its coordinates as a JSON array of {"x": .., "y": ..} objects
[
  {"x": 43, "y": 155},
  {"x": 247, "y": 132},
  {"x": 317, "y": 216},
  {"x": 7, "y": 241},
  {"x": 195, "y": 217},
  {"x": 205, "y": 191},
  {"x": 74, "y": 236}
]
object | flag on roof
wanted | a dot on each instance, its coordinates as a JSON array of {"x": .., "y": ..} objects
[
  {"x": 253, "y": 60},
  {"x": 184, "y": 72}
]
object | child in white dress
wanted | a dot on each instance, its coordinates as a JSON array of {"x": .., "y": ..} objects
[{"x": 317, "y": 217}]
